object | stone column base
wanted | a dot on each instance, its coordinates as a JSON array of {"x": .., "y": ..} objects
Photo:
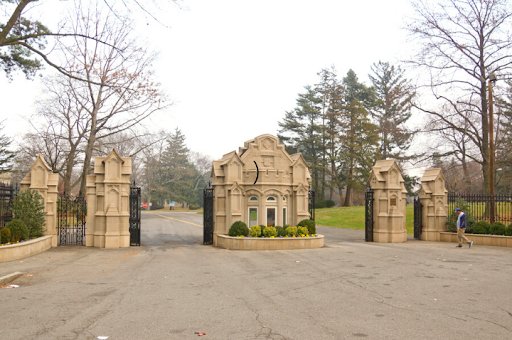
[
  {"x": 389, "y": 237},
  {"x": 117, "y": 241},
  {"x": 430, "y": 235},
  {"x": 55, "y": 240}
]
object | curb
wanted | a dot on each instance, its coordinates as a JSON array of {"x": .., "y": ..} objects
[{"x": 10, "y": 277}]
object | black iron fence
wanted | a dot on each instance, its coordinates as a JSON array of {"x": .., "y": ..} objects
[
  {"x": 479, "y": 206},
  {"x": 7, "y": 195}
]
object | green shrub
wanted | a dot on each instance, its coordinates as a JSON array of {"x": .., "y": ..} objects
[
  {"x": 302, "y": 231},
  {"x": 28, "y": 206},
  {"x": 281, "y": 231},
  {"x": 291, "y": 231},
  {"x": 238, "y": 228},
  {"x": 19, "y": 231},
  {"x": 497, "y": 228},
  {"x": 508, "y": 230},
  {"x": 5, "y": 235},
  {"x": 450, "y": 226},
  {"x": 255, "y": 231},
  {"x": 310, "y": 224},
  {"x": 480, "y": 227},
  {"x": 270, "y": 231}
]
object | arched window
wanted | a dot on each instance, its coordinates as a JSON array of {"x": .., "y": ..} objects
[
  {"x": 253, "y": 198},
  {"x": 271, "y": 199},
  {"x": 253, "y": 216}
]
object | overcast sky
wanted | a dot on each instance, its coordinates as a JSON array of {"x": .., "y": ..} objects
[{"x": 233, "y": 67}]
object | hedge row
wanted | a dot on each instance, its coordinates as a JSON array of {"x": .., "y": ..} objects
[
  {"x": 483, "y": 227},
  {"x": 303, "y": 228}
]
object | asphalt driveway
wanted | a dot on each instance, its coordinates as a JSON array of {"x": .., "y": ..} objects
[{"x": 173, "y": 287}]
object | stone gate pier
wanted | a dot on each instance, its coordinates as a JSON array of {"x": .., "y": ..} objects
[
  {"x": 434, "y": 200},
  {"x": 108, "y": 194},
  {"x": 45, "y": 182},
  {"x": 389, "y": 202}
]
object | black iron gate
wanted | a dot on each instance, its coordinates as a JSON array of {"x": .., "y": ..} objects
[
  {"x": 311, "y": 204},
  {"x": 208, "y": 215},
  {"x": 418, "y": 223},
  {"x": 7, "y": 195},
  {"x": 135, "y": 202},
  {"x": 71, "y": 218},
  {"x": 368, "y": 216}
]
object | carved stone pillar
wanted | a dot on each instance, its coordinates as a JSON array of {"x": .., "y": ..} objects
[
  {"x": 43, "y": 180},
  {"x": 108, "y": 196},
  {"x": 434, "y": 200},
  {"x": 389, "y": 204}
]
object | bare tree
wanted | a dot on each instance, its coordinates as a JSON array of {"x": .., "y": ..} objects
[
  {"x": 458, "y": 145},
  {"x": 119, "y": 93},
  {"x": 463, "y": 41}
]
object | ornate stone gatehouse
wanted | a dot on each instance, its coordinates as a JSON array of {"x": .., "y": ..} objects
[{"x": 261, "y": 185}]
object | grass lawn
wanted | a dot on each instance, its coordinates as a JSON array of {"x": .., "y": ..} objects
[{"x": 353, "y": 217}]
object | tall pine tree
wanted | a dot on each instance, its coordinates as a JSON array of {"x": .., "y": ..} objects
[
  {"x": 179, "y": 172},
  {"x": 358, "y": 135},
  {"x": 301, "y": 131},
  {"x": 332, "y": 94},
  {"x": 392, "y": 110},
  {"x": 6, "y": 155}
]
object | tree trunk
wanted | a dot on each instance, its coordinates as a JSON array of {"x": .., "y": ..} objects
[
  {"x": 70, "y": 162},
  {"x": 348, "y": 193}
]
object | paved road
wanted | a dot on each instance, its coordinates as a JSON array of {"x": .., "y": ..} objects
[{"x": 173, "y": 286}]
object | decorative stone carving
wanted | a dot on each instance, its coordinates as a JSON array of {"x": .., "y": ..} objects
[
  {"x": 434, "y": 199},
  {"x": 244, "y": 181},
  {"x": 108, "y": 193},
  {"x": 389, "y": 205},
  {"x": 44, "y": 181}
]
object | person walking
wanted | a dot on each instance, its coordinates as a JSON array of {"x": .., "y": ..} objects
[{"x": 461, "y": 228}]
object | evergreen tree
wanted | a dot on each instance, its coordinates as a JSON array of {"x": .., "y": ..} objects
[
  {"x": 301, "y": 131},
  {"x": 392, "y": 110},
  {"x": 178, "y": 173},
  {"x": 6, "y": 155},
  {"x": 332, "y": 93},
  {"x": 358, "y": 135}
]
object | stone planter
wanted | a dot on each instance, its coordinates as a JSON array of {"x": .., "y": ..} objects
[
  {"x": 479, "y": 239},
  {"x": 278, "y": 243},
  {"x": 25, "y": 249}
]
